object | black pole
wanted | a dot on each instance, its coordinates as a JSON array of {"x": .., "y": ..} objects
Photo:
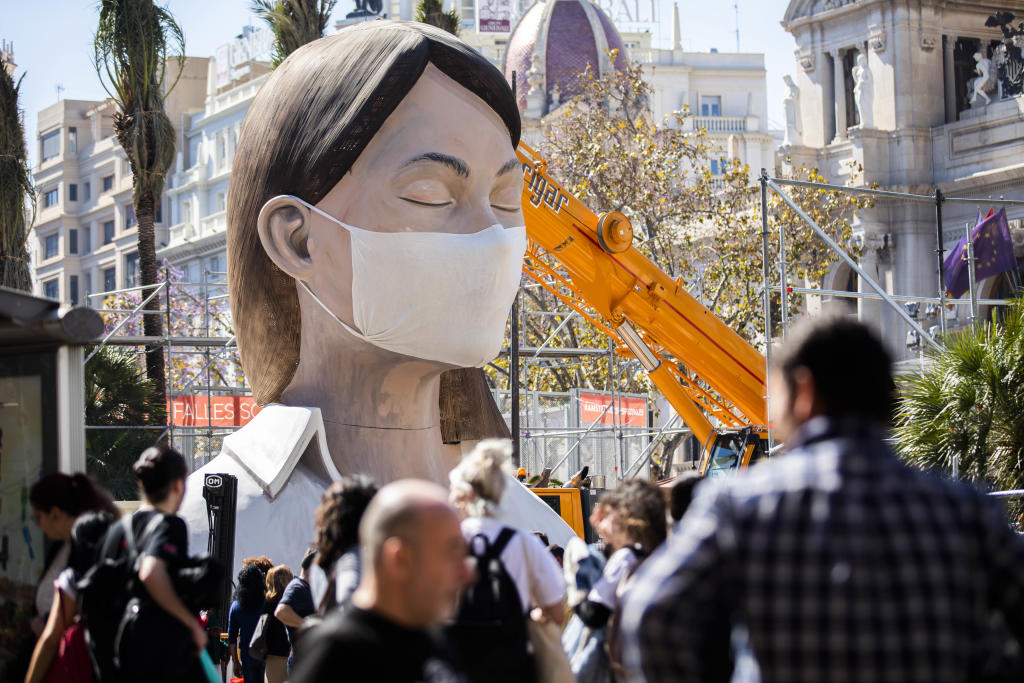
[
  {"x": 221, "y": 494},
  {"x": 938, "y": 257},
  {"x": 513, "y": 379},
  {"x": 513, "y": 371}
]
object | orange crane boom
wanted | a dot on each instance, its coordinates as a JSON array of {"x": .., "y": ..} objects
[{"x": 594, "y": 268}]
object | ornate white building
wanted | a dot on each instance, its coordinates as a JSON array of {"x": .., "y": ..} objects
[{"x": 888, "y": 85}]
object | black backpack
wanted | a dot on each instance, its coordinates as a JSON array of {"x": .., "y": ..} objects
[
  {"x": 490, "y": 624},
  {"x": 104, "y": 592}
]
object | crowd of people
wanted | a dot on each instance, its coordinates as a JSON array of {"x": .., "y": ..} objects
[{"x": 834, "y": 562}]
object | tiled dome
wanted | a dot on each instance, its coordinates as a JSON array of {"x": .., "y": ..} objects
[{"x": 567, "y": 35}]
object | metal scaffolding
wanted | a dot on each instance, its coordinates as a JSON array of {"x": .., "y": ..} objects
[{"x": 190, "y": 360}]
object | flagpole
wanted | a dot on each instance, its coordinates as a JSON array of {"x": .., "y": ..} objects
[
  {"x": 938, "y": 253},
  {"x": 970, "y": 275}
]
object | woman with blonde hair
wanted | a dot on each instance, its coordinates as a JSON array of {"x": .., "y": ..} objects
[
  {"x": 276, "y": 635},
  {"x": 502, "y": 555}
]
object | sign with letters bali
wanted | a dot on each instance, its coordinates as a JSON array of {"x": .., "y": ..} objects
[
  {"x": 632, "y": 410},
  {"x": 213, "y": 411},
  {"x": 495, "y": 16}
]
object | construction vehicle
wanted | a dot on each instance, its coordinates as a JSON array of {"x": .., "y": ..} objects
[{"x": 705, "y": 370}]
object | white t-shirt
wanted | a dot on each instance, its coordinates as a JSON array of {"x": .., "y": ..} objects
[
  {"x": 65, "y": 583},
  {"x": 533, "y": 569},
  {"x": 619, "y": 564},
  {"x": 46, "y": 590}
]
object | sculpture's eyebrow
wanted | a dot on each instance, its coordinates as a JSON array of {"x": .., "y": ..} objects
[
  {"x": 510, "y": 165},
  {"x": 454, "y": 163}
]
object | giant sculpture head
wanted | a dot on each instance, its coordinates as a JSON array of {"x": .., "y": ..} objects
[
  {"x": 383, "y": 129},
  {"x": 374, "y": 216}
]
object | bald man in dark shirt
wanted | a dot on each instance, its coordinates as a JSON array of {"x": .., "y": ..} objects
[{"x": 414, "y": 568}]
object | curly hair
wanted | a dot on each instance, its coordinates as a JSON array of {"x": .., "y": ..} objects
[
  {"x": 337, "y": 519},
  {"x": 478, "y": 481},
  {"x": 262, "y": 562},
  {"x": 640, "y": 507},
  {"x": 249, "y": 592}
]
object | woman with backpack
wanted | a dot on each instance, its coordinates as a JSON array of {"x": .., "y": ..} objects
[
  {"x": 61, "y": 654},
  {"x": 159, "y": 638},
  {"x": 57, "y": 500},
  {"x": 515, "y": 573},
  {"x": 245, "y": 612}
]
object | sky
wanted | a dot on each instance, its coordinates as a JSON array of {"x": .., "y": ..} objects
[{"x": 53, "y": 46}]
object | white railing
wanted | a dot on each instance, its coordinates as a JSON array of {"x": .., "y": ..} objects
[
  {"x": 237, "y": 94},
  {"x": 180, "y": 233},
  {"x": 721, "y": 124},
  {"x": 217, "y": 222},
  {"x": 187, "y": 176}
]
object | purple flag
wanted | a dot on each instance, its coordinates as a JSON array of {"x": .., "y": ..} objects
[{"x": 993, "y": 254}]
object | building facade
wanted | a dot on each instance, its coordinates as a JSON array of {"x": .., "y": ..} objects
[
  {"x": 891, "y": 87},
  {"x": 86, "y": 237},
  {"x": 197, "y": 190}
]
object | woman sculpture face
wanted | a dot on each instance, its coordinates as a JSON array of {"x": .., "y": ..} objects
[
  {"x": 441, "y": 163},
  {"x": 402, "y": 265}
]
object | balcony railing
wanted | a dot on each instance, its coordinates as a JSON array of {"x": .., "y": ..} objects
[
  {"x": 217, "y": 222},
  {"x": 214, "y": 223},
  {"x": 721, "y": 124}
]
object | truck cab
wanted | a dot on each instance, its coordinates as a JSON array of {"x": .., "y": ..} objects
[{"x": 733, "y": 449}]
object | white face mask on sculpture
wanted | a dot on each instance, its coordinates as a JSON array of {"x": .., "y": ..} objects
[{"x": 439, "y": 296}]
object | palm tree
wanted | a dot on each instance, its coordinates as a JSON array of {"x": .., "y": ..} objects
[
  {"x": 969, "y": 402},
  {"x": 117, "y": 393},
  {"x": 432, "y": 12},
  {"x": 132, "y": 45},
  {"x": 15, "y": 188},
  {"x": 293, "y": 22}
]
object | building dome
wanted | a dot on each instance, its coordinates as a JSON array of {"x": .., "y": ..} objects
[{"x": 557, "y": 40}]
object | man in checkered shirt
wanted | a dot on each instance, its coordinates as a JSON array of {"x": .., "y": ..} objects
[{"x": 835, "y": 562}]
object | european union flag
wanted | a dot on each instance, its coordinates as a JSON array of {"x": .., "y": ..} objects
[{"x": 993, "y": 253}]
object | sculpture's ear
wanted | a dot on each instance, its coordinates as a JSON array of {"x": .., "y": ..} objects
[{"x": 283, "y": 226}]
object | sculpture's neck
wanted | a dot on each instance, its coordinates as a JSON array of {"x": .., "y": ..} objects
[{"x": 380, "y": 417}]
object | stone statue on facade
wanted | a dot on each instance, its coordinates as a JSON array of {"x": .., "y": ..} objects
[
  {"x": 535, "y": 96},
  {"x": 556, "y": 97},
  {"x": 791, "y": 104},
  {"x": 985, "y": 84},
  {"x": 862, "y": 92}
]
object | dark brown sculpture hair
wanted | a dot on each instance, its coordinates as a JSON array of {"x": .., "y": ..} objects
[{"x": 303, "y": 131}]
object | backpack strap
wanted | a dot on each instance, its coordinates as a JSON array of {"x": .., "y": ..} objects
[
  {"x": 133, "y": 550},
  {"x": 501, "y": 541}
]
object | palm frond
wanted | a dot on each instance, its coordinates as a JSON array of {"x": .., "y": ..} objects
[
  {"x": 432, "y": 12},
  {"x": 134, "y": 41},
  {"x": 969, "y": 402},
  {"x": 293, "y": 22}
]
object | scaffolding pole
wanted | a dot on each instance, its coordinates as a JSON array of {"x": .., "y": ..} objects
[
  {"x": 853, "y": 264},
  {"x": 765, "y": 270}
]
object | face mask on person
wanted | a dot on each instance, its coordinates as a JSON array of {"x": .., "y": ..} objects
[{"x": 438, "y": 296}]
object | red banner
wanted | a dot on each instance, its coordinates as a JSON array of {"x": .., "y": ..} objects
[
  {"x": 632, "y": 411},
  {"x": 216, "y": 411}
]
